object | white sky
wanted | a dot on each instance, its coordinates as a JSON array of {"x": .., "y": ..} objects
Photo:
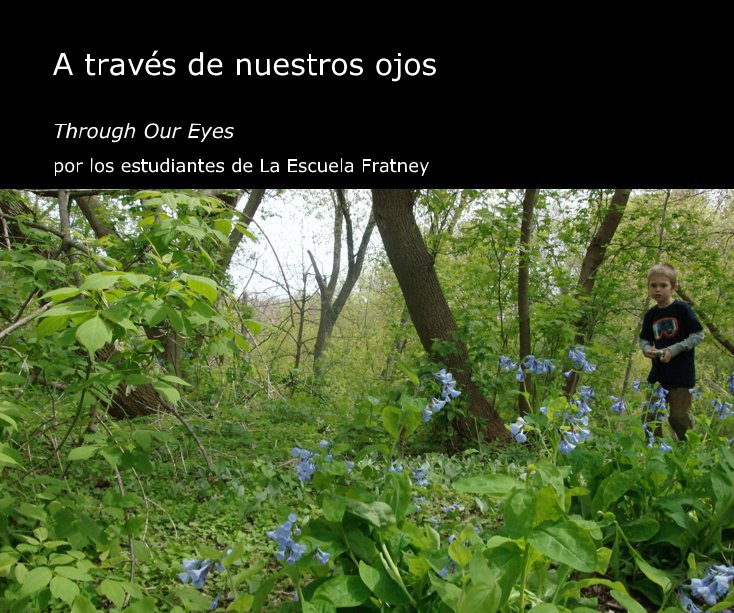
[{"x": 294, "y": 222}]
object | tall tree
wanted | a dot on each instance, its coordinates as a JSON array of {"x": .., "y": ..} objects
[
  {"x": 331, "y": 305},
  {"x": 523, "y": 291},
  {"x": 429, "y": 311},
  {"x": 593, "y": 260}
]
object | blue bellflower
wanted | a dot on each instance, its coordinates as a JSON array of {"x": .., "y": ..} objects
[
  {"x": 517, "y": 431},
  {"x": 618, "y": 405},
  {"x": 288, "y": 549},
  {"x": 195, "y": 571}
]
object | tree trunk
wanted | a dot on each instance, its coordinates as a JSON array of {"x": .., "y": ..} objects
[
  {"x": 332, "y": 307},
  {"x": 523, "y": 293},
  {"x": 429, "y": 311},
  {"x": 235, "y": 236},
  {"x": 592, "y": 261}
]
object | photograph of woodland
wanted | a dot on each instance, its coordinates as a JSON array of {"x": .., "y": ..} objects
[{"x": 468, "y": 400}]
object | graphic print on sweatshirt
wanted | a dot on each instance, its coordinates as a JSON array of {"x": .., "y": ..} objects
[{"x": 665, "y": 327}]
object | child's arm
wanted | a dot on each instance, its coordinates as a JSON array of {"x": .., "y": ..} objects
[
  {"x": 694, "y": 338},
  {"x": 645, "y": 338}
]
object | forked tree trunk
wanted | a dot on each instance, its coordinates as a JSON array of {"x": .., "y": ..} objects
[
  {"x": 429, "y": 311},
  {"x": 592, "y": 261}
]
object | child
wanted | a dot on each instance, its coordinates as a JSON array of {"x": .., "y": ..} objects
[{"x": 670, "y": 331}]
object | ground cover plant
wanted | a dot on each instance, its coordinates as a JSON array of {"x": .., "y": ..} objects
[{"x": 156, "y": 455}]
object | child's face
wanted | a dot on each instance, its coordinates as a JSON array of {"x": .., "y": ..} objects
[{"x": 661, "y": 290}]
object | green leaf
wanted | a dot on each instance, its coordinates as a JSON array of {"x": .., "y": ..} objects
[
  {"x": 334, "y": 508},
  {"x": 112, "y": 591},
  {"x": 628, "y": 602},
  {"x": 93, "y": 334},
  {"x": 136, "y": 279},
  {"x": 254, "y": 326},
  {"x": 73, "y": 573},
  {"x": 169, "y": 393},
  {"x": 318, "y": 605},
  {"x": 653, "y": 574},
  {"x": 201, "y": 285},
  {"x": 494, "y": 486},
  {"x": 143, "y": 439},
  {"x": 344, "y": 591},
  {"x": 361, "y": 545},
  {"x": 613, "y": 488},
  {"x": 245, "y": 232},
  {"x": 242, "y": 604},
  {"x": 36, "y": 580},
  {"x": 63, "y": 589},
  {"x": 83, "y": 453},
  {"x": 50, "y": 325},
  {"x": 459, "y": 553},
  {"x": 519, "y": 512},
  {"x": 397, "y": 494},
  {"x": 175, "y": 319},
  {"x": 262, "y": 593},
  {"x": 12, "y": 379},
  {"x": 31, "y": 510},
  {"x": 382, "y": 585},
  {"x": 394, "y": 419},
  {"x": 175, "y": 380},
  {"x": 9, "y": 420},
  {"x": 379, "y": 514},
  {"x": 481, "y": 596},
  {"x": 83, "y": 605},
  {"x": 138, "y": 379},
  {"x": 565, "y": 542},
  {"x": 61, "y": 294},
  {"x": 408, "y": 372},
  {"x": 545, "y": 607},
  {"x": 448, "y": 592},
  {"x": 69, "y": 310},
  {"x": 146, "y": 605},
  {"x": 100, "y": 280},
  {"x": 641, "y": 529}
]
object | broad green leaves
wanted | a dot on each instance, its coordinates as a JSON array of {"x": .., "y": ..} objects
[
  {"x": 94, "y": 334},
  {"x": 564, "y": 542}
]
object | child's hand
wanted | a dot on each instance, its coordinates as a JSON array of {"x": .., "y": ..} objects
[
  {"x": 666, "y": 357},
  {"x": 652, "y": 353}
]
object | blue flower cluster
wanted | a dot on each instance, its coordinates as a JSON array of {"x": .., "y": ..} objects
[
  {"x": 420, "y": 475},
  {"x": 730, "y": 383},
  {"x": 321, "y": 556},
  {"x": 531, "y": 365},
  {"x": 664, "y": 447},
  {"x": 306, "y": 466},
  {"x": 686, "y": 603},
  {"x": 618, "y": 405},
  {"x": 695, "y": 392},
  {"x": 714, "y": 586},
  {"x": 395, "y": 468},
  {"x": 576, "y": 432},
  {"x": 577, "y": 355},
  {"x": 723, "y": 409},
  {"x": 658, "y": 403},
  {"x": 517, "y": 431},
  {"x": 288, "y": 549},
  {"x": 197, "y": 571},
  {"x": 448, "y": 393}
]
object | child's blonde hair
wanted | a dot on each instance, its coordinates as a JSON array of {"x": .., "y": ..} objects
[{"x": 667, "y": 270}]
